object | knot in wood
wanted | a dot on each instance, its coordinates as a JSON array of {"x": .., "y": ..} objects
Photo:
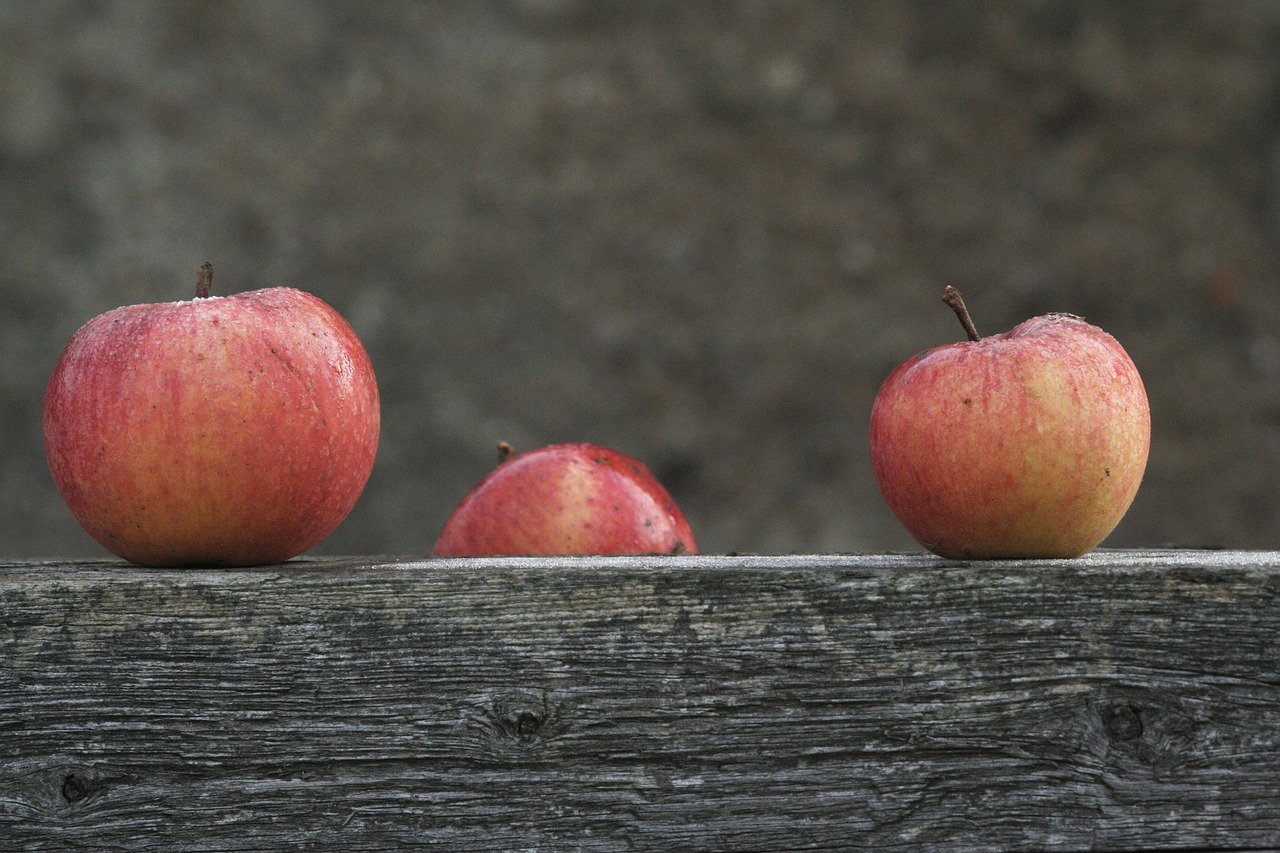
[
  {"x": 522, "y": 717},
  {"x": 75, "y": 788},
  {"x": 1122, "y": 722},
  {"x": 526, "y": 723}
]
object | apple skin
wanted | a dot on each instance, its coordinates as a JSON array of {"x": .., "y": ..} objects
[
  {"x": 232, "y": 430},
  {"x": 566, "y": 499},
  {"x": 1030, "y": 443}
]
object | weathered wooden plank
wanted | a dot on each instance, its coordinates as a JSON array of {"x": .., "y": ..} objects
[{"x": 1123, "y": 700}]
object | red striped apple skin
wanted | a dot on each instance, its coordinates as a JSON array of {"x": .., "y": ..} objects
[
  {"x": 1030, "y": 443},
  {"x": 236, "y": 430},
  {"x": 566, "y": 499}
]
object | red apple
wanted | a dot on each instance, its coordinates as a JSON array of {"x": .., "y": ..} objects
[
  {"x": 1031, "y": 443},
  {"x": 235, "y": 430},
  {"x": 566, "y": 499}
]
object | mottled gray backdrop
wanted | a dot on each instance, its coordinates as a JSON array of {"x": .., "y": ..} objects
[{"x": 701, "y": 233}]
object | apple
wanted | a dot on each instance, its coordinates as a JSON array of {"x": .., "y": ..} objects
[
  {"x": 236, "y": 430},
  {"x": 566, "y": 499},
  {"x": 1030, "y": 443}
]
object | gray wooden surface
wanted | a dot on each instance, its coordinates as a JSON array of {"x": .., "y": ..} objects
[{"x": 1123, "y": 700}]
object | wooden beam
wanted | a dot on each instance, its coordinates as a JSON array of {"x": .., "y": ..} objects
[{"x": 1122, "y": 700}]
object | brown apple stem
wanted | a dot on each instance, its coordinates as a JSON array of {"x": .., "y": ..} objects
[
  {"x": 505, "y": 451},
  {"x": 952, "y": 297},
  {"x": 204, "y": 280}
]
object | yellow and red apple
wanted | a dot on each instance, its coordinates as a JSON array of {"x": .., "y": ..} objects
[
  {"x": 235, "y": 430},
  {"x": 1030, "y": 443},
  {"x": 566, "y": 499}
]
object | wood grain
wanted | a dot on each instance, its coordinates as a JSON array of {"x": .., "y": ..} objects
[{"x": 1123, "y": 700}]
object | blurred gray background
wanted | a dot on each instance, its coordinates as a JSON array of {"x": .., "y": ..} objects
[{"x": 701, "y": 233}]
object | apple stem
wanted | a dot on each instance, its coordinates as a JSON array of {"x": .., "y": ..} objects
[
  {"x": 204, "y": 280},
  {"x": 505, "y": 451},
  {"x": 952, "y": 297}
]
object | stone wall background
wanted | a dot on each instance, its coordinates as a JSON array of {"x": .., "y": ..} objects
[{"x": 701, "y": 233}]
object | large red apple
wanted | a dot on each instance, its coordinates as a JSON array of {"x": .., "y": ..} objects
[
  {"x": 1030, "y": 443},
  {"x": 566, "y": 499},
  {"x": 236, "y": 430}
]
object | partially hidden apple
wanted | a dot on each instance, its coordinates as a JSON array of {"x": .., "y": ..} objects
[
  {"x": 566, "y": 499},
  {"x": 236, "y": 430},
  {"x": 1030, "y": 443}
]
